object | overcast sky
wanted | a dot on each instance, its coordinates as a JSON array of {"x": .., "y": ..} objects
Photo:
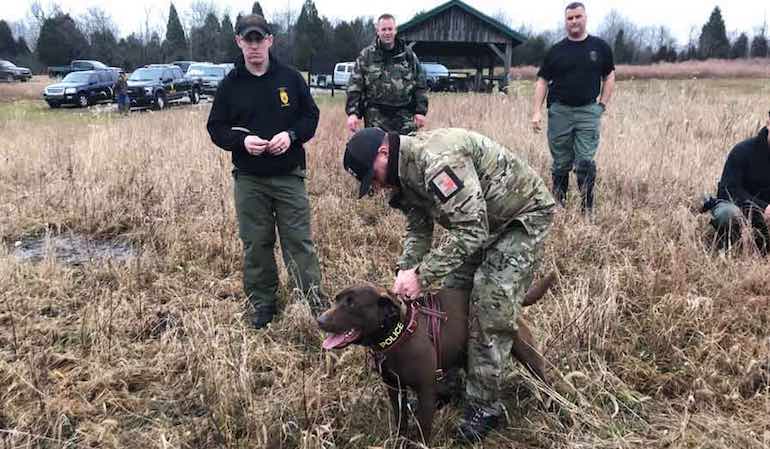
[{"x": 678, "y": 15}]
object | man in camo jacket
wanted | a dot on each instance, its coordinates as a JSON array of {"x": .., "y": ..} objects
[
  {"x": 496, "y": 210},
  {"x": 387, "y": 87}
]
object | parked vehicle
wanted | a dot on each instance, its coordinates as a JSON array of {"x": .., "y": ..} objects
[
  {"x": 158, "y": 84},
  {"x": 10, "y": 72},
  {"x": 342, "y": 72},
  {"x": 79, "y": 65},
  {"x": 228, "y": 65},
  {"x": 184, "y": 65},
  {"x": 82, "y": 88},
  {"x": 436, "y": 76},
  {"x": 321, "y": 80},
  {"x": 210, "y": 75}
]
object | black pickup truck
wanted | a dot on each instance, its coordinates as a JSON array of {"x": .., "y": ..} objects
[
  {"x": 79, "y": 65},
  {"x": 82, "y": 88},
  {"x": 158, "y": 84}
]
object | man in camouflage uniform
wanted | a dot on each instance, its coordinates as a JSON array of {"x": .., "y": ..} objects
[
  {"x": 387, "y": 87},
  {"x": 496, "y": 211}
]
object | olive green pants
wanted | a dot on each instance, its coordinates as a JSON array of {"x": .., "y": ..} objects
[
  {"x": 573, "y": 136},
  {"x": 264, "y": 204}
]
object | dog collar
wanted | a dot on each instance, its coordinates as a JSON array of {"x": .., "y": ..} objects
[{"x": 400, "y": 332}]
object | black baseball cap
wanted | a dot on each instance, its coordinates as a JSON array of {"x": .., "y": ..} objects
[
  {"x": 252, "y": 23},
  {"x": 360, "y": 153}
]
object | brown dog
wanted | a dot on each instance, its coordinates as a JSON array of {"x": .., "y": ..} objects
[{"x": 373, "y": 317}]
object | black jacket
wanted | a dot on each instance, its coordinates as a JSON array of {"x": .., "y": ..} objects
[
  {"x": 264, "y": 106},
  {"x": 746, "y": 176}
]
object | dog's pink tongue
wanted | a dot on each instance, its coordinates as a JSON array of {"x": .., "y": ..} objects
[
  {"x": 340, "y": 340},
  {"x": 332, "y": 341}
]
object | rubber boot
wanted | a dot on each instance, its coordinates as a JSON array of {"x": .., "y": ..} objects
[
  {"x": 586, "y": 176},
  {"x": 560, "y": 188}
]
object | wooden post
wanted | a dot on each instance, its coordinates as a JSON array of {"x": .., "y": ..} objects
[
  {"x": 491, "y": 73},
  {"x": 508, "y": 63}
]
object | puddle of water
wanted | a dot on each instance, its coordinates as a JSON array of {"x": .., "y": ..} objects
[{"x": 72, "y": 249}]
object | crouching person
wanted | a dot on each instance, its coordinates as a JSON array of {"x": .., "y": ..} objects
[{"x": 743, "y": 194}]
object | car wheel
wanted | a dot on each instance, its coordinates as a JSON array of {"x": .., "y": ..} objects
[
  {"x": 160, "y": 101},
  {"x": 83, "y": 100},
  {"x": 195, "y": 97},
  {"x": 8, "y": 78}
]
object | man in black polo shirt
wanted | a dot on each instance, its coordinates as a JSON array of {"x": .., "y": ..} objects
[
  {"x": 262, "y": 113},
  {"x": 743, "y": 193},
  {"x": 576, "y": 71}
]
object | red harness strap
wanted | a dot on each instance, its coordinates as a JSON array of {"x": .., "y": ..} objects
[
  {"x": 428, "y": 306},
  {"x": 432, "y": 309}
]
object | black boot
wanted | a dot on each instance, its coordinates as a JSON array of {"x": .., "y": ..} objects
[
  {"x": 475, "y": 425},
  {"x": 263, "y": 315},
  {"x": 560, "y": 188},
  {"x": 586, "y": 176}
]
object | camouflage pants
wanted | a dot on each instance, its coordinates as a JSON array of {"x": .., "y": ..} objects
[
  {"x": 500, "y": 275},
  {"x": 400, "y": 120}
]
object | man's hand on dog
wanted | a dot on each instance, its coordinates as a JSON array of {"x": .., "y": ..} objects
[
  {"x": 767, "y": 214},
  {"x": 407, "y": 284}
]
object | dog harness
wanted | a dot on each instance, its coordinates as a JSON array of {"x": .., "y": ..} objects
[{"x": 406, "y": 327}]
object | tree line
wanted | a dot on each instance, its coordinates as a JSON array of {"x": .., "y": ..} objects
[
  {"x": 315, "y": 43},
  {"x": 303, "y": 39}
]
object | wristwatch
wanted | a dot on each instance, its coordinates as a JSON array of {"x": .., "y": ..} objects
[
  {"x": 604, "y": 106},
  {"x": 292, "y": 135}
]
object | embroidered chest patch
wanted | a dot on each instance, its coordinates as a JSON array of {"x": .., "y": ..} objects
[
  {"x": 446, "y": 184},
  {"x": 283, "y": 95}
]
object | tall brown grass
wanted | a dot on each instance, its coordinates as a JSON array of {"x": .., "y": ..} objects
[
  {"x": 30, "y": 90},
  {"x": 652, "y": 332}
]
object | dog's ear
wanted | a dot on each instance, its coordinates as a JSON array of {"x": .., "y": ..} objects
[{"x": 387, "y": 298}]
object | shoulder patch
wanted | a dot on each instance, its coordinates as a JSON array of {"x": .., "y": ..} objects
[{"x": 446, "y": 184}]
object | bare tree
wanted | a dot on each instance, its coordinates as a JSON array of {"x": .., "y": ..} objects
[
  {"x": 95, "y": 20},
  {"x": 199, "y": 9}
]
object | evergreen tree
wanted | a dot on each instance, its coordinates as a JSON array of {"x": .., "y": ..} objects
[
  {"x": 227, "y": 48},
  {"x": 531, "y": 52},
  {"x": 22, "y": 49},
  {"x": 740, "y": 48},
  {"x": 344, "y": 42},
  {"x": 153, "y": 50},
  {"x": 131, "y": 53},
  {"x": 207, "y": 40},
  {"x": 621, "y": 49},
  {"x": 60, "y": 41},
  {"x": 175, "y": 45},
  {"x": 104, "y": 47},
  {"x": 713, "y": 42},
  {"x": 759, "y": 46},
  {"x": 309, "y": 36},
  {"x": 7, "y": 43}
]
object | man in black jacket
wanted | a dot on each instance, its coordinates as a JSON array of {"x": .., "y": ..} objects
[
  {"x": 263, "y": 113},
  {"x": 744, "y": 192}
]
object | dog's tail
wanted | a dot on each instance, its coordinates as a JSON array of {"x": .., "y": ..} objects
[{"x": 538, "y": 289}]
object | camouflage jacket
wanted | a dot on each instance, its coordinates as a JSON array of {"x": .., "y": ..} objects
[
  {"x": 472, "y": 186},
  {"x": 387, "y": 78}
]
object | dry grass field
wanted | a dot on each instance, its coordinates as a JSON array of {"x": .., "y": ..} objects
[{"x": 659, "y": 341}]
